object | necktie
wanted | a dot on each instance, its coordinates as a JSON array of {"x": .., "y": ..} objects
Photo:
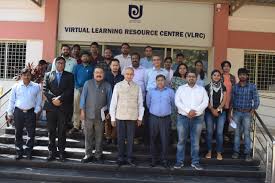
[{"x": 58, "y": 77}]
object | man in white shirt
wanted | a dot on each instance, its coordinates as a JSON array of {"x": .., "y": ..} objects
[
  {"x": 191, "y": 101},
  {"x": 124, "y": 58},
  {"x": 126, "y": 110},
  {"x": 70, "y": 61},
  {"x": 24, "y": 105}
]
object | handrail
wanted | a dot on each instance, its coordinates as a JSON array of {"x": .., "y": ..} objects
[
  {"x": 2, "y": 96},
  {"x": 265, "y": 152},
  {"x": 264, "y": 126}
]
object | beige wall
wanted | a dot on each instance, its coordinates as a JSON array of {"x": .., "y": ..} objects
[
  {"x": 253, "y": 18},
  {"x": 157, "y": 15},
  {"x": 236, "y": 57}
]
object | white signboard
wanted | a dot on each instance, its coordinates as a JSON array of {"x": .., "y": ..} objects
[{"x": 147, "y": 22}]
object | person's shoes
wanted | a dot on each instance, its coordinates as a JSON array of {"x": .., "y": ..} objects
[
  {"x": 18, "y": 156},
  {"x": 208, "y": 155},
  {"x": 51, "y": 156},
  {"x": 248, "y": 158},
  {"x": 219, "y": 156},
  {"x": 29, "y": 155},
  {"x": 197, "y": 166},
  {"x": 87, "y": 159},
  {"x": 99, "y": 160},
  {"x": 62, "y": 157},
  {"x": 153, "y": 163},
  {"x": 178, "y": 165},
  {"x": 131, "y": 163},
  {"x": 73, "y": 130},
  {"x": 164, "y": 164},
  {"x": 114, "y": 141},
  {"x": 120, "y": 163},
  {"x": 108, "y": 141},
  {"x": 235, "y": 155}
]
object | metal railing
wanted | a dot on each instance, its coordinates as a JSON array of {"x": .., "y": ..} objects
[
  {"x": 3, "y": 101},
  {"x": 264, "y": 147}
]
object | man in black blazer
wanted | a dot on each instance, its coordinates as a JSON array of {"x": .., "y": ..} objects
[{"x": 58, "y": 87}]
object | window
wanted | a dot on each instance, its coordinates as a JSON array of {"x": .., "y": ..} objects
[
  {"x": 12, "y": 58},
  {"x": 261, "y": 68},
  {"x": 191, "y": 56}
]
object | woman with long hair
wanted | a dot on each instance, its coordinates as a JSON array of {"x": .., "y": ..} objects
[
  {"x": 179, "y": 77},
  {"x": 201, "y": 79},
  {"x": 215, "y": 115}
]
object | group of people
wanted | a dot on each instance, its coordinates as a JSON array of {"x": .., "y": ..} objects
[{"x": 126, "y": 96}]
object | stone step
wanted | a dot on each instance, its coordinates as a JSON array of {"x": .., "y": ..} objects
[
  {"x": 140, "y": 156},
  {"x": 79, "y": 143},
  {"x": 73, "y": 171}
]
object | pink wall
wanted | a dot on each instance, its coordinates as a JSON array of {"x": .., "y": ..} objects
[
  {"x": 220, "y": 37},
  {"x": 46, "y": 31}
]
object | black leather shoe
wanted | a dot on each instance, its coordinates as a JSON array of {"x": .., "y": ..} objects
[
  {"x": 51, "y": 156},
  {"x": 29, "y": 156},
  {"x": 87, "y": 159},
  {"x": 120, "y": 163},
  {"x": 164, "y": 164},
  {"x": 130, "y": 162},
  {"x": 62, "y": 157},
  {"x": 99, "y": 160},
  {"x": 153, "y": 163},
  {"x": 18, "y": 156}
]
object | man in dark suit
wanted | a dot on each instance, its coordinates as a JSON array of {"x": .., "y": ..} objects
[{"x": 58, "y": 87}]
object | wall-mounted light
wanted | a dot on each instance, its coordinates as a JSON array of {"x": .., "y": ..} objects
[{"x": 218, "y": 7}]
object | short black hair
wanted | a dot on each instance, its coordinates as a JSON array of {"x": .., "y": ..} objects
[
  {"x": 60, "y": 58},
  {"x": 135, "y": 53},
  {"x": 225, "y": 62},
  {"x": 180, "y": 55},
  {"x": 76, "y": 46},
  {"x": 148, "y": 47},
  {"x": 85, "y": 53},
  {"x": 192, "y": 70},
  {"x": 25, "y": 71},
  {"x": 94, "y": 44},
  {"x": 114, "y": 60},
  {"x": 65, "y": 45},
  {"x": 123, "y": 44},
  {"x": 243, "y": 71},
  {"x": 42, "y": 62},
  {"x": 168, "y": 58},
  {"x": 160, "y": 76}
]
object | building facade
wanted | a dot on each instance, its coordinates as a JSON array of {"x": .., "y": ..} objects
[{"x": 205, "y": 30}]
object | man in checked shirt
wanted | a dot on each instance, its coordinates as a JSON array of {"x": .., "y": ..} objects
[{"x": 245, "y": 100}]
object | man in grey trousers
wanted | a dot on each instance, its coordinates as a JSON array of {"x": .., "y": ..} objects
[{"x": 96, "y": 94}]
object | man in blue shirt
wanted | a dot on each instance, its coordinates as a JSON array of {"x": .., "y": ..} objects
[
  {"x": 150, "y": 77},
  {"x": 245, "y": 100},
  {"x": 146, "y": 61},
  {"x": 160, "y": 102},
  {"x": 82, "y": 73},
  {"x": 24, "y": 106}
]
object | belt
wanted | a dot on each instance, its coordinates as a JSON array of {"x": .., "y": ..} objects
[
  {"x": 243, "y": 110},
  {"x": 25, "y": 110},
  {"x": 162, "y": 117}
]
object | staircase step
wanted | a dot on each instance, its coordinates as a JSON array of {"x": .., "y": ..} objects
[
  {"x": 78, "y": 153},
  {"x": 79, "y": 143},
  {"x": 109, "y": 170}
]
